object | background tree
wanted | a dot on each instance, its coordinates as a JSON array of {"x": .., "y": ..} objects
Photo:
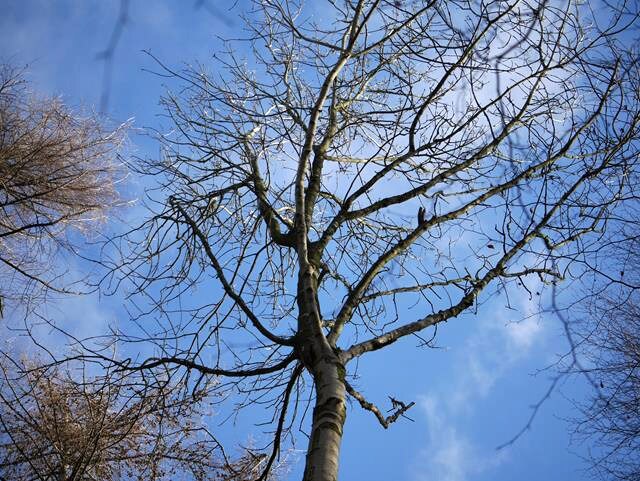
[
  {"x": 610, "y": 421},
  {"x": 56, "y": 426},
  {"x": 58, "y": 170},
  {"x": 376, "y": 155},
  {"x": 606, "y": 336}
]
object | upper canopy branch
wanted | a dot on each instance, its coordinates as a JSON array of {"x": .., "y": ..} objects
[
  {"x": 307, "y": 147},
  {"x": 498, "y": 270},
  {"x": 271, "y": 218},
  {"x": 356, "y": 294}
]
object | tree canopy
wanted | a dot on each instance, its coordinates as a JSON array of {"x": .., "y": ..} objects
[
  {"x": 58, "y": 169},
  {"x": 58, "y": 423}
]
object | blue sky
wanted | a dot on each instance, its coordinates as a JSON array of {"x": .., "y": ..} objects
[{"x": 472, "y": 394}]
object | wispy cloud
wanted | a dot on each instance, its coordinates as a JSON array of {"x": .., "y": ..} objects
[
  {"x": 494, "y": 347},
  {"x": 450, "y": 454}
]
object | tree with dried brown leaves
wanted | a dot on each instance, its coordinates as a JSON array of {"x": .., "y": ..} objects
[
  {"x": 58, "y": 424},
  {"x": 372, "y": 155},
  {"x": 58, "y": 170}
]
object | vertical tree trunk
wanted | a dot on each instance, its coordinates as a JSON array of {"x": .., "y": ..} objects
[{"x": 329, "y": 415}]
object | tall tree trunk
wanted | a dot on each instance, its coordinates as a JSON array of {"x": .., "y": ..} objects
[{"x": 329, "y": 415}]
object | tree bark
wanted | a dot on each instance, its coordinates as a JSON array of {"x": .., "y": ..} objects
[
  {"x": 328, "y": 372},
  {"x": 329, "y": 416}
]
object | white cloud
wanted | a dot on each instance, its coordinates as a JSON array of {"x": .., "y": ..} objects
[
  {"x": 500, "y": 340},
  {"x": 523, "y": 334},
  {"x": 450, "y": 455}
]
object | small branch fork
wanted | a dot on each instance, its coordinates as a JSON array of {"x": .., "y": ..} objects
[{"x": 399, "y": 408}]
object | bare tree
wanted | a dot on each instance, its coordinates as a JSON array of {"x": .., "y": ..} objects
[
  {"x": 57, "y": 426},
  {"x": 366, "y": 156},
  {"x": 610, "y": 421},
  {"x": 57, "y": 170},
  {"x": 605, "y": 335}
]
